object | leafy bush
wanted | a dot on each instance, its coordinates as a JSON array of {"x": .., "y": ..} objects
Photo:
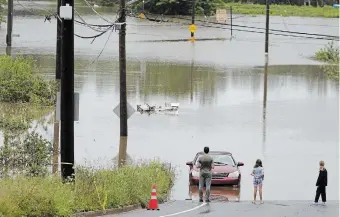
[
  {"x": 92, "y": 190},
  {"x": 330, "y": 55},
  {"x": 20, "y": 83},
  {"x": 28, "y": 155}
]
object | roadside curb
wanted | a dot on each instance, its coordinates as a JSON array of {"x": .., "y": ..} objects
[
  {"x": 117, "y": 210},
  {"x": 109, "y": 211}
]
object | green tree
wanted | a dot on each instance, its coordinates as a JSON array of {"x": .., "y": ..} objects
[
  {"x": 178, "y": 7},
  {"x": 2, "y": 11}
]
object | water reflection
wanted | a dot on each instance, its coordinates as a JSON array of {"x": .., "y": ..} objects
[
  {"x": 8, "y": 51},
  {"x": 222, "y": 107},
  {"x": 191, "y": 72},
  {"x": 147, "y": 80},
  {"x": 264, "y": 111},
  {"x": 217, "y": 193}
]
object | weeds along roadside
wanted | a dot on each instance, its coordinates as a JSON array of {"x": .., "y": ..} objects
[{"x": 94, "y": 189}]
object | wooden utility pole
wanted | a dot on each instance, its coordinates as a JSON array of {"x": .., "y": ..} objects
[
  {"x": 267, "y": 27},
  {"x": 55, "y": 154},
  {"x": 9, "y": 23},
  {"x": 58, "y": 68},
  {"x": 193, "y": 15},
  {"x": 67, "y": 92},
  {"x": 122, "y": 79}
]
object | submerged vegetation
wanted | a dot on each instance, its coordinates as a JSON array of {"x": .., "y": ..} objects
[
  {"x": 330, "y": 55},
  {"x": 25, "y": 101},
  {"x": 21, "y": 83}
]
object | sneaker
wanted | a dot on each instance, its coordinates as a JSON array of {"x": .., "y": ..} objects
[
  {"x": 201, "y": 201},
  {"x": 207, "y": 201},
  {"x": 315, "y": 203},
  {"x": 323, "y": 204}
]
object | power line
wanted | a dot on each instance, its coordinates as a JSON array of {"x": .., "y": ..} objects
[
  {"x": 291, "y": 24},
  {"x": 101, "y": 16},
  {"x": 259, "y": 28},
  {"x": 95, "y": 28},
  {"x": 322, "y": 37},
  {"x": 101, "y": 52}
]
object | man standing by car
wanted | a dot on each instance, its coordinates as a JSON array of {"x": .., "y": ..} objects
[{"x": 206, "y": 164}]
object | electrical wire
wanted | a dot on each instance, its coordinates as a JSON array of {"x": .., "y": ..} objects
[
  {"x": 93, "y": 25},
  {"x": 260, "y": 28},
  {"x": 101, "y": 16},
  {"x": 322, "y": 37},
  {"x": 91, "y": 37},
  {"x": 101, "y": 52},
  {"x": 292, "y": 24},
  {"x": 48, "y": 14},
  {"x": 95, "y": 28}
]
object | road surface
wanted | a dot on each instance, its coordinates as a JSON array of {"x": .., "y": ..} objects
[{"x": 239, "y": 209}]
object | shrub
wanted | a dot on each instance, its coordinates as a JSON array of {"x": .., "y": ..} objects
[
  {"x": 20, "y": 83},
  {"x": 92, "y": 190},
  {"x": 330, "y": 55},
  {"x": 27, "y": 155}
]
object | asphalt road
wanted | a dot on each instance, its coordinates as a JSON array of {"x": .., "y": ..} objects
[{"x": 239, "y": 209}]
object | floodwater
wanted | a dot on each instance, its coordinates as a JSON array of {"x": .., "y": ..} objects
[{"x": 220, "y": 88}]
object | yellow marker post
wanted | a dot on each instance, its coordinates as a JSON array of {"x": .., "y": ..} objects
[
  {"x": 141, "y": 16},
  {"x": 192, "y": 28}
]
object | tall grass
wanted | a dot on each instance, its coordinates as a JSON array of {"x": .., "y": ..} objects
[
  {"x": 92, "y": 190},
  {"x": 285, "y": 10}
]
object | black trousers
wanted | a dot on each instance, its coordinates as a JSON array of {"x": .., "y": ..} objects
[{"x": 321, "y": 190}]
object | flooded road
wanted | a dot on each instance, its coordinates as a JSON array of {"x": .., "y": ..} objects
[
  {"x": 221, "y": 103},
  {"x": 245, "y": 49}
]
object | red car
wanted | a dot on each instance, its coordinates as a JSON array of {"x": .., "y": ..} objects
[{"x": 226, "y": 171}]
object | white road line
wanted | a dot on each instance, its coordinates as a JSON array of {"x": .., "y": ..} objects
[{"x": 185, "y": 211}]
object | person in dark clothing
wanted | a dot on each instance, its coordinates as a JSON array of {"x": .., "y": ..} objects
[{"x": 321, "y": 184}]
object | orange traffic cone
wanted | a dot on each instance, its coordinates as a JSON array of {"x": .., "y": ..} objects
[{"x": 153, "y": 203}]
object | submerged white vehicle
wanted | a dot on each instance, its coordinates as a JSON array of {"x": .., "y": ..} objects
[{"x": 169, "y": 108}]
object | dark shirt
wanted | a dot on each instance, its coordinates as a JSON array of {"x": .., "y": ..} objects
[{"x": 322, "y": 179}]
